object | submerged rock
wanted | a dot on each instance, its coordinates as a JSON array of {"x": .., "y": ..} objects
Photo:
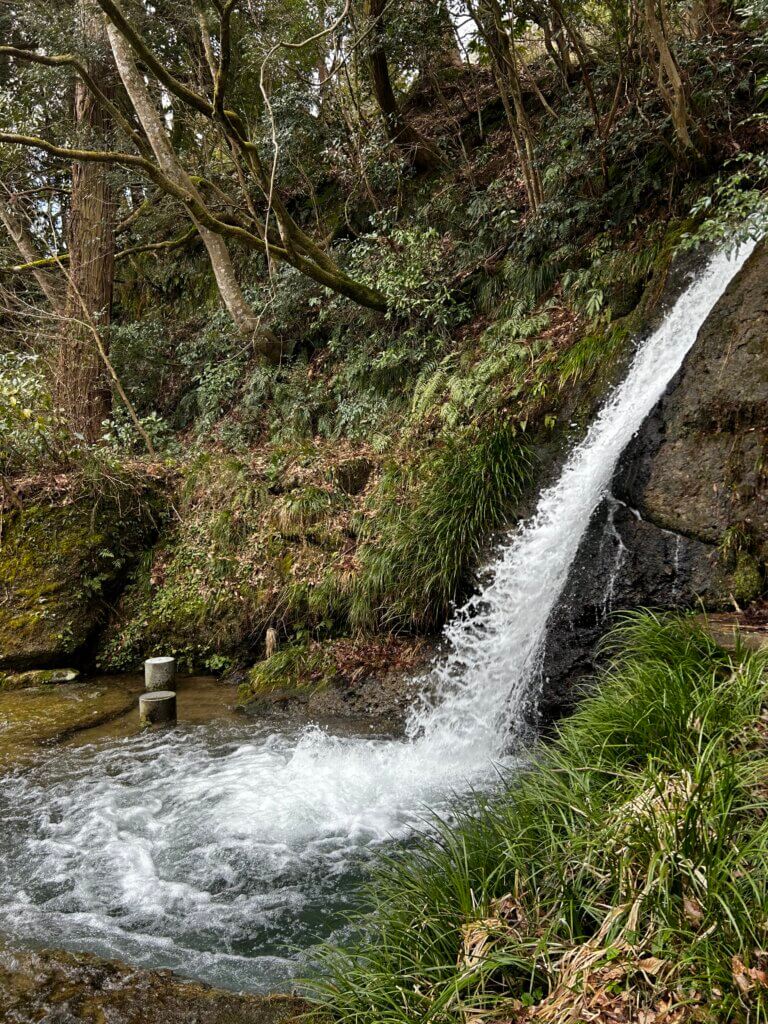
[
  {"x": 54, "y": 987},
  {"x": 37, "y": 677}
]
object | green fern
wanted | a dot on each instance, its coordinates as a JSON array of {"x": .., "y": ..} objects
[{"x": 431, "y": 384}]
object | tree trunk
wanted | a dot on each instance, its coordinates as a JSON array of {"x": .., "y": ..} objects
[
  {"x": 489, "y": 19},
  {"x": 448, "y": 54},
  {"x": 245, "y": 319},
  {"x": 82, "y": 390},
  {"x": 22, "y": 239},
  {"x": 670, "y": 80},
  {"x": 413, "y": 145}
]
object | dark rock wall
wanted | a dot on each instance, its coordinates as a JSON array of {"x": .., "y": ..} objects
[
  {"x": 698, "y": 466},
  {"x": 687, "y": 524}
]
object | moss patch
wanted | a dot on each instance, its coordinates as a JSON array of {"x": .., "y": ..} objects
[
  {"x": 747, "y": 578},
  {"x": 33, "y": 717},
  {"x": 58, "y": 563}
]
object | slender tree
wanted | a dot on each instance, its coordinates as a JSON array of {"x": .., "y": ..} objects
[
  {"x": 157, "y": 134},
  {"x": 401, "y": 132},
  {"x": 14, "y": 222},
  {"x": 489, "y": 18},
  {"x": 670, "y": 81},
  {"x": 82, "y": 389}
]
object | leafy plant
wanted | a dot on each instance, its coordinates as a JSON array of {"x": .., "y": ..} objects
[
  {"x": 736, "y": 208},
  {"x": 30, "y": 437}
]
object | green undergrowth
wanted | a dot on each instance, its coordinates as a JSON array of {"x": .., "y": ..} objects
[
  {"x": 291, "y": 667},
  {"x": 325, "y": 536},
  {"x": 431, "y": 523},
  {"x": 623, "y": 876},
  {"x": 323, "y": 532},
  {"x": 315, "y": 546},
  {"x": 251, "y": 544}
]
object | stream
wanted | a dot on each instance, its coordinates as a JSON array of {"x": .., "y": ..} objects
[{"x": 226, "y": 851}]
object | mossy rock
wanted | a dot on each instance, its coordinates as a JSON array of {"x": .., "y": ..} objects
[
  {"x": 59, "y": 564},
  {"x": 39, "y": 716},
  {"x": 37, "y": 677},
  {"x": 53, "y": 985},
  {"x": 747, "y": 578}
]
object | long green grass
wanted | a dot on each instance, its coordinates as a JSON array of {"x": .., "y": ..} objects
[
  {"x": 432, "y": 522},
  {"x": 624, "y": 873}
]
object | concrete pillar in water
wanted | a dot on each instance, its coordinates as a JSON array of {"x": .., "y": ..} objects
[
  {"x": 157, "y": 708},
  {"x": 159, "y": 673}
]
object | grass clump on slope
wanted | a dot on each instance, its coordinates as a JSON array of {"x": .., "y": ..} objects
[
  {"x": 432, "y": 519},
  {"x": 624, "y": 877}
]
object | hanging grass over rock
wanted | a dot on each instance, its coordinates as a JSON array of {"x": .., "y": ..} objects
[
  {"x": 433, "y": 519},
  {"x": 623, "y": 878}
]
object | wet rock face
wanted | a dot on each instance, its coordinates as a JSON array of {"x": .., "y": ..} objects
[
  {"x": 624, "y": 562},
  {"x": 53, "y": 987},
  {"x": 695, "y": 471},
  {"x": 699, "y": 464}
]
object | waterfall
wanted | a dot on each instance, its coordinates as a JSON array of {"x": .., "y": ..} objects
[
  {"x": 210, "y": 850},
  {"x": 496, "y": 639}
]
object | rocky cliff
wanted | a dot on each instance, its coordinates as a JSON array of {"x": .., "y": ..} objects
[{"x": 687, "y": 524}]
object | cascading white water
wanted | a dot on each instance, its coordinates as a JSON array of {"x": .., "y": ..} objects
[
  {"x": 497, "y": 637},
  {"x": 211, "y": 849}
]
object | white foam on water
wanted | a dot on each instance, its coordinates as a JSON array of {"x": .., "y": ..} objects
[{"x": 212, "y": 850}]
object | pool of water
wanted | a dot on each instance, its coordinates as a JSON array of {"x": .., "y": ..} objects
[{"x": 225, "y": 851}]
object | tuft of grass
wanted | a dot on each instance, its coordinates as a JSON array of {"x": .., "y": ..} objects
[
  {"x": 625, "y": 873},
  {"x": 432, "y": 522},
  {"x": 291, "y": 667}
]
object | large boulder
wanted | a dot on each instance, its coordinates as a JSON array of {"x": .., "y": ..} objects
[{"x": 60, "y": 564}]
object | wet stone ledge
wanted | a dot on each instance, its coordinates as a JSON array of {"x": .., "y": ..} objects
[{"x": 55, "y": 987}]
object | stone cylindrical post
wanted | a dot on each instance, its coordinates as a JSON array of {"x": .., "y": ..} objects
[
  {"x": 159, "y": 673},
  {"x": 157, "y": 708}
]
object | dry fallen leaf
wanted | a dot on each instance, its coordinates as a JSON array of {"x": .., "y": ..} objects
[
  {"x": 693, "y": 912},
  {"x": 746, "y": 978},
  {"x": 651, "y": 965}
]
